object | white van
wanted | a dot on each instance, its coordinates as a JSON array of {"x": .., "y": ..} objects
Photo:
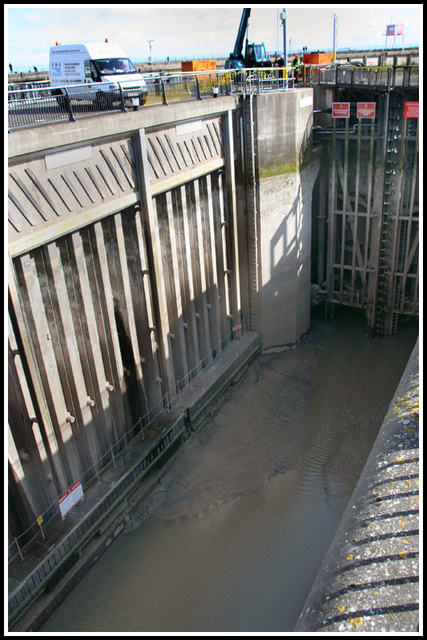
[{"x": 101, "y": 68}]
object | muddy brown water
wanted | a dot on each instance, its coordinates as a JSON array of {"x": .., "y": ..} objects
[{"x": 233, "y": 537}]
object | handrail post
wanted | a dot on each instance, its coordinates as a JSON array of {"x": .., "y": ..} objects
[
  {"x": 122, "y": 100},
  {"x": 163, "y": 91},
  {"x": 68, "y": 104},
  {"x": 199, "y": 97},
  {"x": 19, "y": 549}
]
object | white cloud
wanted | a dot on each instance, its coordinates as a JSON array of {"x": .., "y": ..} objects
[{"x": 197, "y": 30}]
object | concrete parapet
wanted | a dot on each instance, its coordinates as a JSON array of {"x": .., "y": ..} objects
[
  {"x": 368, "y": 581},
  {"x": 57, "y": 136}
]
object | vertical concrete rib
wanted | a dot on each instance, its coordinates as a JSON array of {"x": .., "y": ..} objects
[
  {"x": 51, "y": 273},
  {"x": 109, "y": 386},
  {"x": 219, "y": 224},
  {"x": 107, "y": 304},
  {"x": 200, "y": 247},
  {"x": 33, "y": 479},
  {"x": 155, "y": 251},
  {"x": 124, "y": 320},
  {"x": 34, "y": 382},
  {"x": 196, "y": 266},
  {"x": 212, "y": 267},
  {"x": 137, "y": 271},
  {"x": 111, "y": 267},
  {"x": 84, "y": 327},
  {"x": 30, "y": 289},
  {"x": 188, "y": 280},
  {"x": 174, "y": 297},
  {"x": 126, "y": 291}
]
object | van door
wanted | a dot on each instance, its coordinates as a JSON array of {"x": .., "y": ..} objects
[
  {"x": 97, "y": 88},
  {"x": 91, "y": 73}
]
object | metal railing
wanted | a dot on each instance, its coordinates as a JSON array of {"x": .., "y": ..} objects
[
  {"x": 61, "y": 539},
  {"x": 352, "y": 75},
  {"x": 33, "y": 105}
]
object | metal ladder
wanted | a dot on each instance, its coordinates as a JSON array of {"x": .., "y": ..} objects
[
  {"x": 252, "y": 212},
  {"x": 385, "y": 320}
]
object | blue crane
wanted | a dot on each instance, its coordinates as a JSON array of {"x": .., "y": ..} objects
[{"x": 255, "y": 54}]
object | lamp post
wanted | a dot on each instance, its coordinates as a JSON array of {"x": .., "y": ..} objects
[
  {"x": 149, "y": 44},
  {"x": 285, "y": 55},
  {"x": 334, "y": 53}
]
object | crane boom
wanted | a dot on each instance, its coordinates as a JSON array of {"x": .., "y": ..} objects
[{"x": 238, "y": 46}]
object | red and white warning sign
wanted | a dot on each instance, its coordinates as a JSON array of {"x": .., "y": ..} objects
[
  {"x": 340, "y": 109},
  {"x": 366, "y": 109},
  {"x": 411, "y": 110},
  {"x": 70, "y": 498}
]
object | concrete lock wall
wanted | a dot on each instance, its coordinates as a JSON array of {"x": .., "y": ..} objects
[
  {"x": 113, "y": 303},
  {"x": 287, "y": 170},
  {"x": 122, "y": 280}
]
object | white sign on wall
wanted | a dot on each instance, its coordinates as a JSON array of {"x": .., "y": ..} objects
[
  {"x": 188, "y": 127},
  {"x": 70, "y": 498}
]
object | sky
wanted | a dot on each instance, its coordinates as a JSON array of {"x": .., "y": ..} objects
[{"x": 201, "y": 30}]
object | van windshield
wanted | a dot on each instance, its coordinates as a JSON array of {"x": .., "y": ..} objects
[{"x": 114, "y": 66}]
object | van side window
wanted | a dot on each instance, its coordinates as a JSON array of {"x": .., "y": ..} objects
[
  {"x": 90, "y": 71},
  {"x": 87, "y": 69}
]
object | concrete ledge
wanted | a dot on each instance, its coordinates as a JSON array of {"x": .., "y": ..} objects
[{"x": 368, "y": 581}]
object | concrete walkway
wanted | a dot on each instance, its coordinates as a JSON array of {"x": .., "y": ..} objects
[{"x": 369, "y": 580}]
